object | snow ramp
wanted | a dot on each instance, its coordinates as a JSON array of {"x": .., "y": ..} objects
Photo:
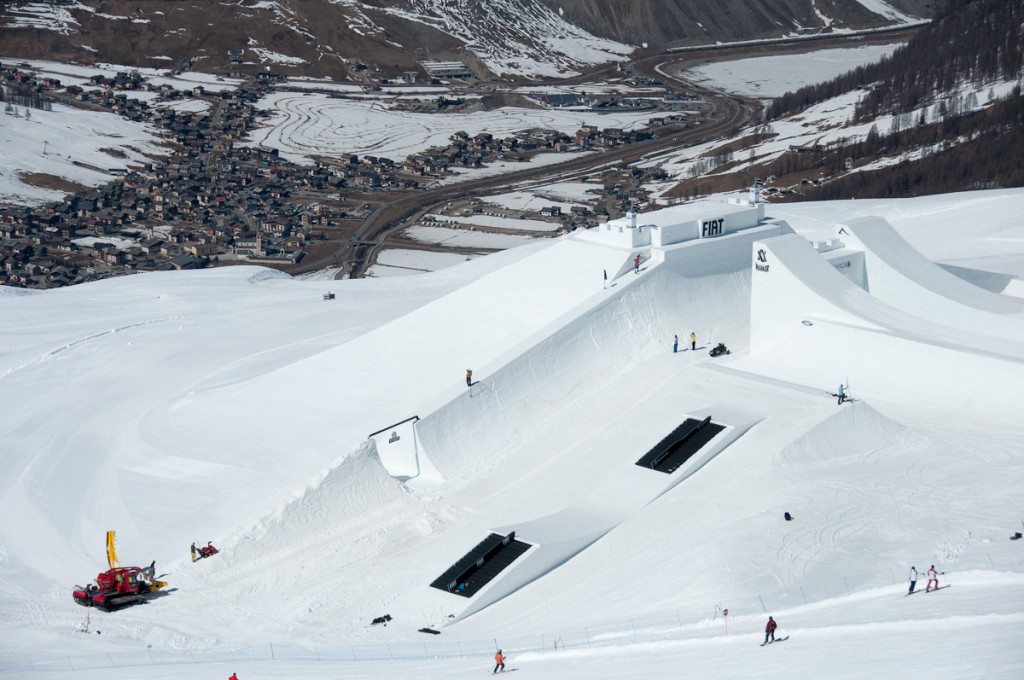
[
  {"x": 793, "y": 287},
  {"x": 899, "y": 275}
]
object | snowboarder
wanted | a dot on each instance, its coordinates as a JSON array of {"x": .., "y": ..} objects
[
  {"x": 841, "y": 393},
  {"x": 913, "y": 580},
  {"x": 499, "y": 662},
  {"x": 469, "y": 377},
  {"x": 769, "y": 630},
  {"x": 933, "y": 576},
  {"x": 636, "y": 265},
  {"x": 675, "y": 345},
  {"x": 693, "y": 340}
]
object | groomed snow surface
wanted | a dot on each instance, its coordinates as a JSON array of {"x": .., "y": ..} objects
[{"x": 234, "y": 405}]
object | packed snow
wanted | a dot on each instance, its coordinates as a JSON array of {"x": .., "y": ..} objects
[
  {"x": 773, "y": 76},
  {"x": 236, "y": 404},
  {"x": 70, "y": 144},
  {"x": 303, "y": 125}
]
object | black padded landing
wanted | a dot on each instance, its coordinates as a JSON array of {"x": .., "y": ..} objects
[
  {"x": 481, "y": 565},
  {"x": 684, "y": 441}
]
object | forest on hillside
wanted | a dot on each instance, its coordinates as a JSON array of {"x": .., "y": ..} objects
[
  {"x": 958, "y": 154},
  {"x": 941, "y": 137},
  {"x": 972, "y": 41}
]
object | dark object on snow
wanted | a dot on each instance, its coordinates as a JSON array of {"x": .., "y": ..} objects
[
  {"x": 207, "y": 550},
  {"x": 429, "y": 630},
  {"x": 116, "y": 588},
  {"x": 381, "y": 619},
  {"x": 1016, "y": 536},
  {"x": 789, "y": 517},
  {"x": 719, "y": 350}
]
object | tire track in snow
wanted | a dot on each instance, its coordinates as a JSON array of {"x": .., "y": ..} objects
[{"x": 40, "y": 358}]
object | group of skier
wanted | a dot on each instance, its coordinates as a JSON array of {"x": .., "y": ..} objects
[{"x": 933, "y": 577}]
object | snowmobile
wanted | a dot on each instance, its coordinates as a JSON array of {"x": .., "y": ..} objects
[
  {"x": 118, "y": 586},
  {"x": 719, "y": 350}
]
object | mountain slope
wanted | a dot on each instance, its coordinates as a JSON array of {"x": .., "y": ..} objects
[{"x": 351, "y": 39}]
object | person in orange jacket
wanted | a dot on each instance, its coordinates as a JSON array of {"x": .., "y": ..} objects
[{"x": 499, "y": 662}]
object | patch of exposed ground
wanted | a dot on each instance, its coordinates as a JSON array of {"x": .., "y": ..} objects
[{"x": 45, "y": 180}]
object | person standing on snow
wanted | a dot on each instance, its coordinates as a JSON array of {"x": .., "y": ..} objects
[
  {"x": 769, "y": 630},
  {"x": 233, "y": 677},
  {"x": 469, "y": 377},
  {"x": 605, "y": 278},
  {"x": 675, "y": 345},
  {"x": 841, "y": 393},
  {"x": 913, "y": 580},
  {"x": 636, "y": 265},
  {"x": 933, "y": 576},
  {"x": 693, "y": 340},
  {"x": 499, "y": 662}
]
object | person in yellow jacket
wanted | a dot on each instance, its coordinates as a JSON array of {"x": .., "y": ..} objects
[{"x": 693, "y": 340}]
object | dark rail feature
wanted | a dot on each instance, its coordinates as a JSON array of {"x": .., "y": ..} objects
[
  {"x": 680, "y": 445},
  {"x": 481, "y": 565}
]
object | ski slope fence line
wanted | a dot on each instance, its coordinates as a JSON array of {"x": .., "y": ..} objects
[{"x": 704, "y": 620}]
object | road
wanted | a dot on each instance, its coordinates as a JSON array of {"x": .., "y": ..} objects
[{"x": 357, "y": 254}]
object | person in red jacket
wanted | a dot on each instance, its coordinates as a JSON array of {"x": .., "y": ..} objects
[
  {"x": 769, "y": 630},
  {"x": 499, "y": 662},
  {"x": 233, "y": 677}
]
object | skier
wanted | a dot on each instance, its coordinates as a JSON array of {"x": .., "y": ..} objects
[
  {"x": 769, "y": 630},
  {"x": 499, "y": 662},
  {"x": 469, "y": 377},
  {"x": 675, "y": 345},
  {"x": 933, "y": 576},
  {"x": 841, "y": 393},
  {"x": 636, "y": 265},
  {"x": 913, "y": 580},
  {"x": 693, "y": 340}
]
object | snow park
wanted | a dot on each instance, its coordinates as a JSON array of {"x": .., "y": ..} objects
[{"x": 649, "y": 457}]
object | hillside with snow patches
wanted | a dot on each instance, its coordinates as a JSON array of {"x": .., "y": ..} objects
[
  {"x": 351, "y": 40},
  {"x": 236, "y": 405}
]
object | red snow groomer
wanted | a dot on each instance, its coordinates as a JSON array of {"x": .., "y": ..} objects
[{"x": 118, "y": 586}]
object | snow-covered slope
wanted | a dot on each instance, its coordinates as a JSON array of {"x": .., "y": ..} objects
[{"x": 233, "y": 405}]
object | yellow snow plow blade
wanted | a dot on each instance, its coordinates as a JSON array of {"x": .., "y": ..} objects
[{"x": 111, "y": 552}]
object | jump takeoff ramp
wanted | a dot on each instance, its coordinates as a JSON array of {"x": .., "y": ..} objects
[
  {"x": 899, "y": 275},
  {"x": 793, "y": 288}
]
